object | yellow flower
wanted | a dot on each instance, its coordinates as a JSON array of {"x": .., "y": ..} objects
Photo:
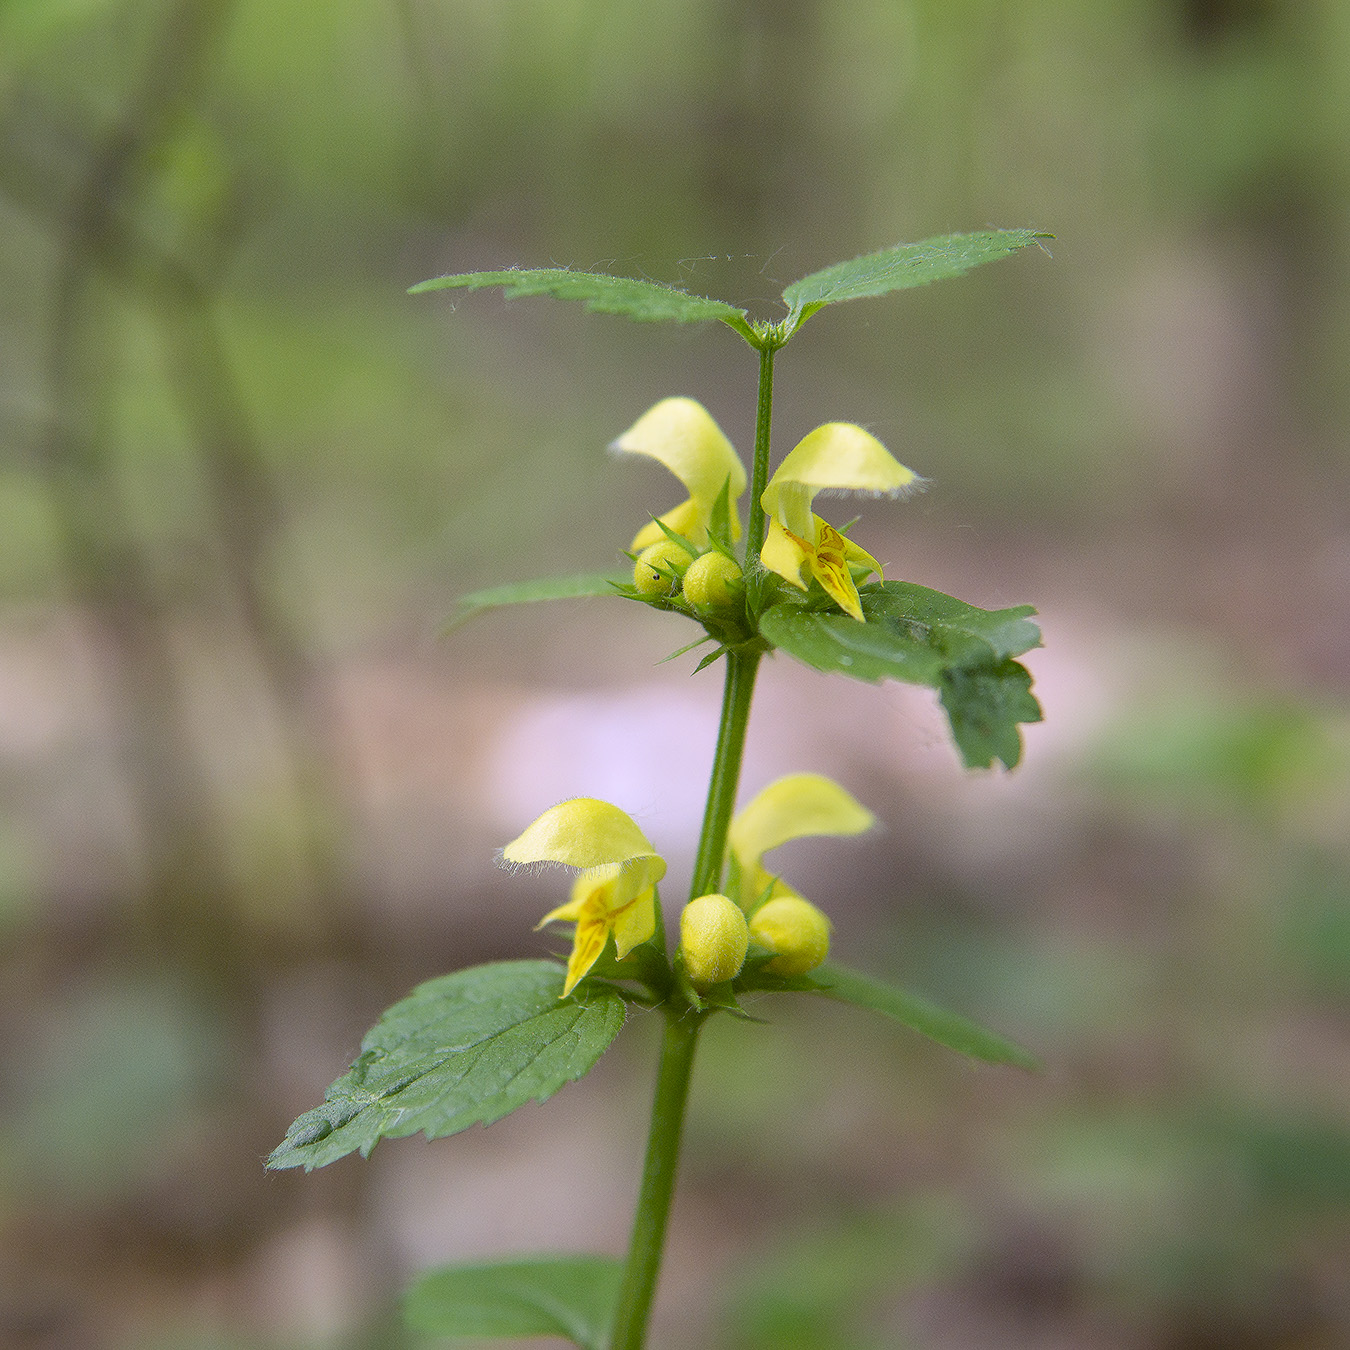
[
  {"x": 680, "y": 434},
  {"x": 840, "y": 457},
  {"x": 616, "y": 891},
  {"x": 795, "y": 807}
]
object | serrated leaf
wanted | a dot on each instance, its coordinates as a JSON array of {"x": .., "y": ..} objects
[
  {"x": 921, "y": 636},
  {"x": 839, "y": 645},
  {"x": 528, "y": 592},
  {"x": 645, "y": 301},
  {"x": 461, "y": 1050},
  {"x": 943, "y": 620},
  {"x": 985, "y": 706},
  {"x": 904, "y": 265},
  {"x": 918, "y": 1014},
  {"x": 569, "y": 1296}
]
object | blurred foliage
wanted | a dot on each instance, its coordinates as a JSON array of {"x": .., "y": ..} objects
[{"x": 238, "y": 460}]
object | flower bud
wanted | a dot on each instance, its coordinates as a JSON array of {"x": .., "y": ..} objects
[
  {"x": 713, "y": 581},
  {"x": 669, "y": 557},
  {"x": 796, "y": 930},
  {"x": 713, "y": 940}
]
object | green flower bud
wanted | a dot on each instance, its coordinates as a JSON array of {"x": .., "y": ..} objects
[
  {"x": 713, "y": 940},
  {"x": 669, "y": 557},
  {"x": 713, "y": 581},
  {"x": 796, "y": 930}
]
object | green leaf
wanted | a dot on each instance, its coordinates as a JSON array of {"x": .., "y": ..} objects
[
  {"x": 894, "y": 269},
  {"x": 646, "y": 301},
  {"x": 527, "y": 592},
  {"x": 837, "y": 644},
  {"x": 918, "y": 1014},
  {"x": 985, "y": 705},
  {"x": 570, "y": 1296},
  {"x": 945, "y": 622},
  {"x": 924, "y": 637},
  {"x": 719, "y": 525},
  {"x": 461, "y": 1050}
]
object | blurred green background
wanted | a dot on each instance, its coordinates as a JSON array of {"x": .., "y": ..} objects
[{"x": 250, "y": 799}]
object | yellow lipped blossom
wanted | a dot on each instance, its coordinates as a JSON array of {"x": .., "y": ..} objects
[
  {"x": 796, "y": 807},
  {"x": 616, "y": 891},
  {"x": 680, "y": 433},
  {"x": 837, "y": 457}
]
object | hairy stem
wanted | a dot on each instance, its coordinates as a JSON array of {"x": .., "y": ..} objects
[
  {"x": 759, "y": 470},
  {"x": 658, "y": 1179},
  {"x": 726, "y": 773},
  {"x": 682, "y": 1022}
]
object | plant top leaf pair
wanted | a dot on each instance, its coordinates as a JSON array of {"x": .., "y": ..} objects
[{"x": 874, "y": 274}]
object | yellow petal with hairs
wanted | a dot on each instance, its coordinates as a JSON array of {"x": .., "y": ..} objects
[
  {"x": 799, "y": 806},
  {"x": 837, "y": 456},
  {"x": 680, "y": 433},
  {"x": 583, "y": 832}
]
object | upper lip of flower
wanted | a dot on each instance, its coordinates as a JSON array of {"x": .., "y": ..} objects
[
  {"x": 616, "y": 892},
  {"x": 681, "y": 434},
  {"x": 797, "y": 806}
]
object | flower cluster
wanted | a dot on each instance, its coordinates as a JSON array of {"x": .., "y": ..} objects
[
  {"x": 615, "y": 895},
  {"x": 685, "y": 557},
  {"x": 799, "y": 546}
]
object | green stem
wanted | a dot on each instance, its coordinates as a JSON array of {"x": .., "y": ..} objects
[
  {"x": 682, "y": 1022},
  {"x": 658, "y": 1179},
  {"x": 759, "y": 470},
  {"x": 726, "y": 773}
]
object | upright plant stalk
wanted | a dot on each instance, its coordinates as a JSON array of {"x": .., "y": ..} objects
[
  {"x": 726, "y": 773},
  {"x": 658, "y": 1179},
  {"x": 759, "y": 470},
  {"x": 683, "y": 1023}
]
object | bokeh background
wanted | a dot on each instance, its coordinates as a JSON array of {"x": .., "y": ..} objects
[{"x": 250, "y": 797}]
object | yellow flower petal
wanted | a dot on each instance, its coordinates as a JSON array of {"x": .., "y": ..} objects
[
  {"x": 594, "y": 910},
  {"x": 795, "y": 807},
  {"x": 855, "y": 553},
  {"x": 571, "y": 912},
  {"x": 635, "y": 922},
  {"x": 825, "y": 554},
  {"x": 679, "y": 433},
  {"x": 785, "y": 554},
  {"x": 838, "y": 456},
  {"x": 829, "y": 562},
  {"x": 591, "y": 936},
  {"x": 583, "y": 832}
]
